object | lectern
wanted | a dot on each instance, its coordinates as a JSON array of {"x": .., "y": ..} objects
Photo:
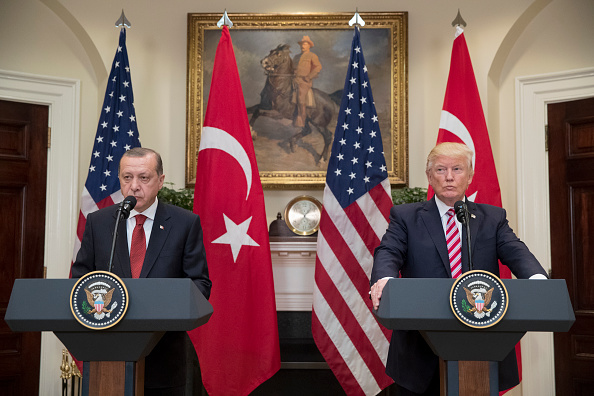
[
  {"x": 155, "y": 306},
  {"x": 534, "y": 305}
]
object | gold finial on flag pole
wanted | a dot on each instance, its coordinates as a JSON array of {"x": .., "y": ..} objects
[
  {"x": 123, "y": 21},
  {"x": 225, "y": 20},
  {"x": 356, "y": 19},
  {"x": 459, "y": 21}
]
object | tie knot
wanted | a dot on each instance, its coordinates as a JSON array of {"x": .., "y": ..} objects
[
  {"x": 140, "y": 219},
  {"x": 450, "y": 212}
]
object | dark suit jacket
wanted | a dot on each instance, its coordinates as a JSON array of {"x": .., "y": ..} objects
[
  {"x": 175, "y": 250},
  {"x": 414, "y": 246}
]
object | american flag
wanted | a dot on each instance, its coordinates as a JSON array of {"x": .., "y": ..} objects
[
  {"x": 357, "y": 203},
  {"x": 117, "y": 133}
]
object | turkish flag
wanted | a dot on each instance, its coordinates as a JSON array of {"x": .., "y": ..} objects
[
  {"x": 463, "y": 121},
  {"x": 238, "y": 348}
]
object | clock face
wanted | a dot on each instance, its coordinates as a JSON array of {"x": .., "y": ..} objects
[{"x": 303, "y": 215}]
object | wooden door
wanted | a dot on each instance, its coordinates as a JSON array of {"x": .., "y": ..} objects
[
  {"x": 23, "y": 174},
  {"x": 571, "y": 189}
]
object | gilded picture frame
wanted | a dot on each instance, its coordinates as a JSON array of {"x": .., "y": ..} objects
[{"x": 384, "y": 40}]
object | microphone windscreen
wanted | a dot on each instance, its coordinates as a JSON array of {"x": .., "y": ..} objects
[
  {"x": 130, "y": 201},
  {"x": 460, "y": 209}
]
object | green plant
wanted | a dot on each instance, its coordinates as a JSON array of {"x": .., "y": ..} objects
[
  {"x": 409, "y": 195},
  {"x": 183, "y": 197}
]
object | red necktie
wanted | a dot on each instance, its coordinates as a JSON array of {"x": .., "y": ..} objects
[
  {"x": 454, "y": 245},
  {"x": 138, "y": 246}
]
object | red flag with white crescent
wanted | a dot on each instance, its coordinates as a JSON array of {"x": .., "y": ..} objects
[
  {"x": 238, "y": 348},
  {"x": 463, "y": 121}
]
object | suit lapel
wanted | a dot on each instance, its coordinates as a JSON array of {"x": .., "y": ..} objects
[
  {"x": 159, "y": 233},
  {"x": 430, "y": 216},
  {"x": 121, "y": 261}
]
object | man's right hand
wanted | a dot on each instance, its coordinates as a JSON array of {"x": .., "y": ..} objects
[{"x": 376, "y": 292}]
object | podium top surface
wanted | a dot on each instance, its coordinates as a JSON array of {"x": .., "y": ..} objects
[
  {"x": 424, "y": 304},
  {"x": 155, "y": 304}
]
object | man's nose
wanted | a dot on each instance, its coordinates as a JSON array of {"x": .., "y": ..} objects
[
  {"x": 449, "y": 174},
  {"x": 134, "y": 184}
]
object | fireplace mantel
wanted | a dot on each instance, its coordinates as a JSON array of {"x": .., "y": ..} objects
[{"x": 293, "y": 263}]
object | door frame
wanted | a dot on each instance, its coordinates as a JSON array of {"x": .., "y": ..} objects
[
  {"x": 62, "y": 96},
  {"x": 533, "y": 93}
]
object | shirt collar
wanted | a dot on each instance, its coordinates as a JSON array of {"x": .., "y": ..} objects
[
  {"x": 149, "y": 212},
  {"x": 442, "y": 207}
]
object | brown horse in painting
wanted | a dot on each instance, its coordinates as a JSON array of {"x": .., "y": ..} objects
[{"x": 278, "y": 94}]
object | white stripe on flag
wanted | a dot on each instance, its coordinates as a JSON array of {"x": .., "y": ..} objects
[
  {"x": 117, "y": 196},
  {"x": 376, "y": 219},
  {"x": 345, "y": 347},
  {"x": 387, "y": 188},
  {"x": 76, "y": 248},
  {"x": 347, "y": 230},
  {"x": 87, "y": 204},
  {"x": 355, "y": 302}
]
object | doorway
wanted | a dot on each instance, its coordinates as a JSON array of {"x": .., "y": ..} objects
[
  {"x": 571, "y": 186},
  {"x": 23, "y": 170},
  {"x": 62, "y": 97},
  {"x": 533, "y": 94}
]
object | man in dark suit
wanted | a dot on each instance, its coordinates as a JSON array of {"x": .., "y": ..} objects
[
  {"x": 414, "y": 246},
  {"x": 166, "y": 243}
]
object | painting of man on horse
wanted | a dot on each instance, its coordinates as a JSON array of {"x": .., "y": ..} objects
[
  {"x": 268, "y": 62},
  {"x": 288, "y": 93}
]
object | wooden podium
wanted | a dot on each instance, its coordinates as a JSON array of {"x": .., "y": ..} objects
[
  {"x": 114, "y": 357},
  {"x": 534, "y": 305}
]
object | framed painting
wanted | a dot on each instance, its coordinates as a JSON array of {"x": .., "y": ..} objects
[{"x": 286, "y": 163}]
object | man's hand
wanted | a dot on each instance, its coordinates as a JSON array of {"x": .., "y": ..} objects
[{"x": 376, "y": 292}]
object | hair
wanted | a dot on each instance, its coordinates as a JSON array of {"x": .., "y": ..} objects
[
  {"x": 139, "y": 152},
  {"x": 452, "y": 150}
]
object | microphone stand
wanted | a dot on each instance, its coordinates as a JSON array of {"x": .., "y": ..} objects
[
  {"x": 463, "y": 216},
  {"x": 115, "y": 235},
  {"x": 120, "y": 215},
  {"x": 467, "y": 223}
]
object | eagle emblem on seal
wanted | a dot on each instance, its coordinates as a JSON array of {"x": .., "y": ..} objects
[
  {"x": 99, "y": 299},
  {"x": 479, "y": 298}
]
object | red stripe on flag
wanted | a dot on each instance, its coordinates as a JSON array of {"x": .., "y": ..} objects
[
  {"x": 350, "y": 324},
  {"x": 382, "y": 200},
  {"x": 345, "y": 256},
  {"x": 334, "y": 359},
  {"x": 361, "y": 224},
  {"x": 80, "y": 228},
  {"x": 104, "y": 203}
]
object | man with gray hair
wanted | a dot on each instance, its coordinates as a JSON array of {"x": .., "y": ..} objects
[{"x": 415, "y": 246}]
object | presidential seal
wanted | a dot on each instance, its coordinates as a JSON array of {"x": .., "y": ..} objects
[
  {"x": 479, "y": 299},
  {"x": 99, "y": 300}
]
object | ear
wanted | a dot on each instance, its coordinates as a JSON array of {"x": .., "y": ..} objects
[{"x": 161, "y": 180}]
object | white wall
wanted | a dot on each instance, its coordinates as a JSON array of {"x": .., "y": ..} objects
[{"x": 76, "y": 40}]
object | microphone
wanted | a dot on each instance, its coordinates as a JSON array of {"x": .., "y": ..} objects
[
  {"x": 462, "y": 215},
  {"x": 461, "y": 211},
  {"x": 126, "y": 206},
  {"x": 123, "y": 212}
]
